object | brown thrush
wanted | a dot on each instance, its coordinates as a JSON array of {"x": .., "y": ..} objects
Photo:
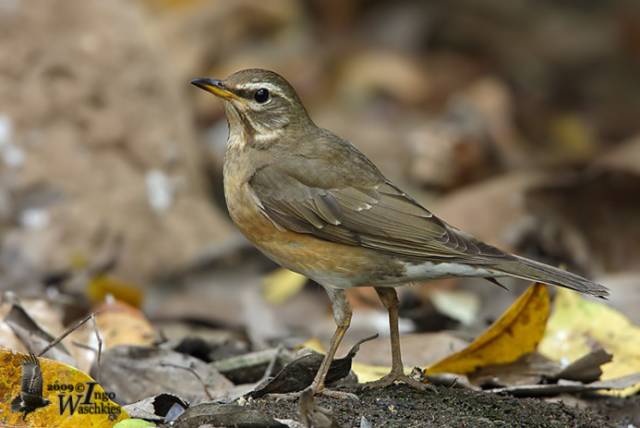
[{"x": 313, "y": 203}]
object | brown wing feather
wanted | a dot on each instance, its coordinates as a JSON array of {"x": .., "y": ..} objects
[{"x": 376, "y": 215}]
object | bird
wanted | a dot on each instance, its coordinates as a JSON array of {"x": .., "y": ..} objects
[
  {"x": 313, "y": 203},
  {"x": 30, "y": 397}
]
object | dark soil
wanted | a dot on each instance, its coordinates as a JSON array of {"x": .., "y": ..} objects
[{"x": 401, "y": 406}]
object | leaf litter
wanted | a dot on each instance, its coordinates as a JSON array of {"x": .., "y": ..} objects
[{"x": 466, "y": 130}]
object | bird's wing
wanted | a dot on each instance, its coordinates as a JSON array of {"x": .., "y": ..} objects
[
  {"x": 31, "y": 376},
  {"x": 373, "y": 214}
]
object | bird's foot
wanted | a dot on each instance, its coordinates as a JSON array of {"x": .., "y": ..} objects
[
  {"x": 399, "y": 376},
  {"x": 292, "y": 396}
]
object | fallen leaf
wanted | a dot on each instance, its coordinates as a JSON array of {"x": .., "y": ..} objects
[
  {"x": 161, "y": 408},
  {"x": 75, "y": 398},
  {"x": 225, "y": 415},
  {"x": 282, "y": 284},
  {"x": 121, "y": 324},
  {"x": 585, "y": 369},
  {"x": 103, "y": 285},
  {"x": 516, "y": 333},
  {"x": 34, "y": 337},
  {"x": 577, "y": 325},
  {"x": 529, "y": 369},
  {"x": 137, "y": 372}
]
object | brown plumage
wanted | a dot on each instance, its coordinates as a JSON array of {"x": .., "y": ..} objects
[{"x": 315, "y": 204}]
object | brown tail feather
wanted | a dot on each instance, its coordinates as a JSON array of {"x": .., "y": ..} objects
[{"x": 536, "y": 271}]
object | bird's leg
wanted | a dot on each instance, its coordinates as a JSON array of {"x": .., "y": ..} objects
[
  {"x": 389, "y": 299},
  {"x": 342, "y": 316}
]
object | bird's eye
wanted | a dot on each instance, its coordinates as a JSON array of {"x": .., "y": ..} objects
[{"x": 261, "y": 95}]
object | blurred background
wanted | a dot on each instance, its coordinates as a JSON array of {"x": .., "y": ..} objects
[{"x": 517, "y": 121}]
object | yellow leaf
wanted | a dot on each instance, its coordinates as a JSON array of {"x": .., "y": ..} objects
[
  {"x": 516, "y": 333},
  {"x": 369, "y": 373},
  {"x": 577, "y": 325},
  {"x": 281, "y": 285},
  {"x": 102, "y": 285},
  {"x": 65, "y": 387}
]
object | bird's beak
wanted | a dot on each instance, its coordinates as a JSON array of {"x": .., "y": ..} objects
[{"x": 216, "y": 87}]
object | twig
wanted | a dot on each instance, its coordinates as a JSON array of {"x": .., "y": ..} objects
[
  {"x": 193, "y": 372},
  {"x": 83, "y": 346},
  {"x": 98, "y": 351},
  {"x": 245, "y": 361},
  {"x": 272, "y": 364},
  {"x": 99, "y": 340},
  {"x": 268, "y": 373},
  {"x": 66, "y": 333}
]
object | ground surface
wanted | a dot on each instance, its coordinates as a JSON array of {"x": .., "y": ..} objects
[{"x": 400, "y": 406}]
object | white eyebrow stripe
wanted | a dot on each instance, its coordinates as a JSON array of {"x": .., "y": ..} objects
[
  {"x": 258, "y": 85},
  {"x": 266, "y": 85}
]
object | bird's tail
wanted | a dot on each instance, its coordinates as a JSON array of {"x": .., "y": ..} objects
[{"x": 535, "y": 271}]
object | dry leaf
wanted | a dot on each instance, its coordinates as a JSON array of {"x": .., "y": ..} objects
[
  {"x": 578, "y": 325},
  {"x": 33, "y": 336},
  {"x": 121, "y": 324},
  {"x": 161, "y": 408},
  {"x": 75, "y": 398},
  {"x": 137, "y": 372},
  {"x": 225, "y": 415},
  {"x": 516, "y": 333},
  {"x": 102, "y": 286},
  {"x": 40, "y": 312}
]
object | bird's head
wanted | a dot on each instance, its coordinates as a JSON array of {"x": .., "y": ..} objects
[{"x": 262, "y": 102}]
